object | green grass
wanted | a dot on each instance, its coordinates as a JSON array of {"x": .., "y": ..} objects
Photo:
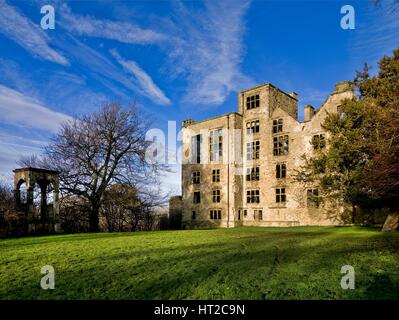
[{"x": 240, "y": 263}]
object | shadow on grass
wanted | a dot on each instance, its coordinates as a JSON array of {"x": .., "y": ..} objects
[{"x": 240, "y": 265}]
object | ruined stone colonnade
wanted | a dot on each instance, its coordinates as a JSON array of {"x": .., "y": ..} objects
[{"x": 41, "y": 216}]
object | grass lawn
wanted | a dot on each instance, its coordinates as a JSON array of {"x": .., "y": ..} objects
[{"x": 240, "y": 263}]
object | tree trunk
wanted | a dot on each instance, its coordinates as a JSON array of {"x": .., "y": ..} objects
[
  {"x": 94, "y": 218},
  {"x": 391, "y": 222}
]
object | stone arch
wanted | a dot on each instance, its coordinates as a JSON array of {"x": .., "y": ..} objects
[
  {"x": 20, "y": 193},
  {"x": 50, "y": 192},
  {"x": 40, "y": 213}
]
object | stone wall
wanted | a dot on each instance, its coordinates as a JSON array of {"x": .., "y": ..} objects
[
  {"x": 274, "y": 104},
  {"x": 175, "y": 212}
]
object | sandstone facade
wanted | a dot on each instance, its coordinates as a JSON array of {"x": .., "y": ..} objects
[{"x": 238, "y": 168}]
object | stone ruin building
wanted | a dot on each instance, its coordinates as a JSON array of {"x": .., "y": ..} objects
[
  {"x": 38, "y": 201},
  {"x": 238, "y": 168}
]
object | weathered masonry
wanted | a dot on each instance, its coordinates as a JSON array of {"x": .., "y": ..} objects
[
  {"x": 238, "y": 168},
  {"x": 41, "y": 208}
]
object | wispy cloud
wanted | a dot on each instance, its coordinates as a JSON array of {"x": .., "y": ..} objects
[
  {"x": 209, "y": 50},
  {"x": 204, "y": 46},
  {"x": 17, "y": 109},
  {"x": 66, "y": 90},
  {"x": 12, "y": 148},
  {"x": 144, "y": 81},
  {"x": 96, "y": 63},
  {"x": 13, "y": 76},
  {"x": 378, "y": 33},
  {"x": 28, "y": 35},
  {"x": 114, "y": 30},
  {"x": 108, "y": 73}
]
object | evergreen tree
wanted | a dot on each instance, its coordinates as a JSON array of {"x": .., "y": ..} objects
[{"x": 361, "y": 163}]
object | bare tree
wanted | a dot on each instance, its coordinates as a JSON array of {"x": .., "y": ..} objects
[
  {"x": 119, "y": 202},
  {"x": 99, "y": 150},
  {"x": 6, "y": 198},
  {"x": 73, "y": 213},
  {"x": 7, "y": 213},
  {"x": 124, "y": 209},
  {"x": 31, "y": 161}
]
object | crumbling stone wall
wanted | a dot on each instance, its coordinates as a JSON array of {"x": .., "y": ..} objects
[{"x": 274, "y": 104}]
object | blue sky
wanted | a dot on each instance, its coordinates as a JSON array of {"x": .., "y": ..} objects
[{"x": 177, "y": 60}]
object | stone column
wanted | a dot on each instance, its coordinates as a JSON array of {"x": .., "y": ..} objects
[
  {"x": 29, "y": 199},
  {"x": 30, "y": 209},
  {"x": 43, "y": 203},
  {"x": 56, "y": 208},
  {"x": 17, "y": 199}
]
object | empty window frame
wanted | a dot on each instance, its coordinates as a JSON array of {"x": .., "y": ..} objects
[
  {"x": 319, "y": 141},
  {"x": 216, "y": 175},
  {"x": 340, "y": 113},
  {"x": 215, "y": 214},
  {"x": 196, "y": 177},
  {"x": 253, "y": 127},
  {"x": 281, "y": 170},
  {"x": 277, "y": 126},
  {"x": 252, "y": 174},
  {"x": 253, "y": 102},
  {"x": 280, "y": 195},
  {"x": 196, "y": 148},
  {"x": 253, "y": 150},
  {"x": 313, "y": 199},
  {"x": 216, "y": 144},
  {"x": 258, "y": 214},
  {"x": 280, "y": 145},
  {"x": 253, "y": 196},
  {"x": 193, "y": 215},
  {"x": 197, "y": 197},
  {"x": 216, "y": 196}
]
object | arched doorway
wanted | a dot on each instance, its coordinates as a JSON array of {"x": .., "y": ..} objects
[{"x": 21, "y": 196}]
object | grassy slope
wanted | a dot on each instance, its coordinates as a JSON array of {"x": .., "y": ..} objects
[{"x": 241, "y": 263}]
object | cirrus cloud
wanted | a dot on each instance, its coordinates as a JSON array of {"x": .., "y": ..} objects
[
  {"x": 28, "y": 35},
  {"x": 17, "y": 109},
  {"x": 114, "y": 30},
  {"x": 144, "y": 81}
]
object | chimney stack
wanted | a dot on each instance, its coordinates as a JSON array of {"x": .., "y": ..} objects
[
  {"x": 308, "y": 112},
  {"x": 294, "y": 95},
  {"x": 187, "y": 123}
]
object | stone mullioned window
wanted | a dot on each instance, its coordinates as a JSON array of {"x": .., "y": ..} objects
[
  {"x": 253, "y": 102},
  {"x": 281, "y": 170},
  {"x": 280, "y": 145},
  {"x": 253, "y": 150},
  {"x": 253, "y": 196},
  {"x": 216, "y": 145},
  {"x": 277, "y": 126},
  {"x": 196, "y": 148},
  {"x": 252, "y": 174},
  {"x": 319, "y": 141},
  {"x": 281, "y": 196},
  {"x": 196, "y": 177},
  {"x": 197, "y": 197},
  {"x": 216, "y": 175},
  {"x": 216, "y": 195},
  {"x": 258, "y": 214},
  {"x": 253, "y": 127},
  {"x": 215, "y": 214}
]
